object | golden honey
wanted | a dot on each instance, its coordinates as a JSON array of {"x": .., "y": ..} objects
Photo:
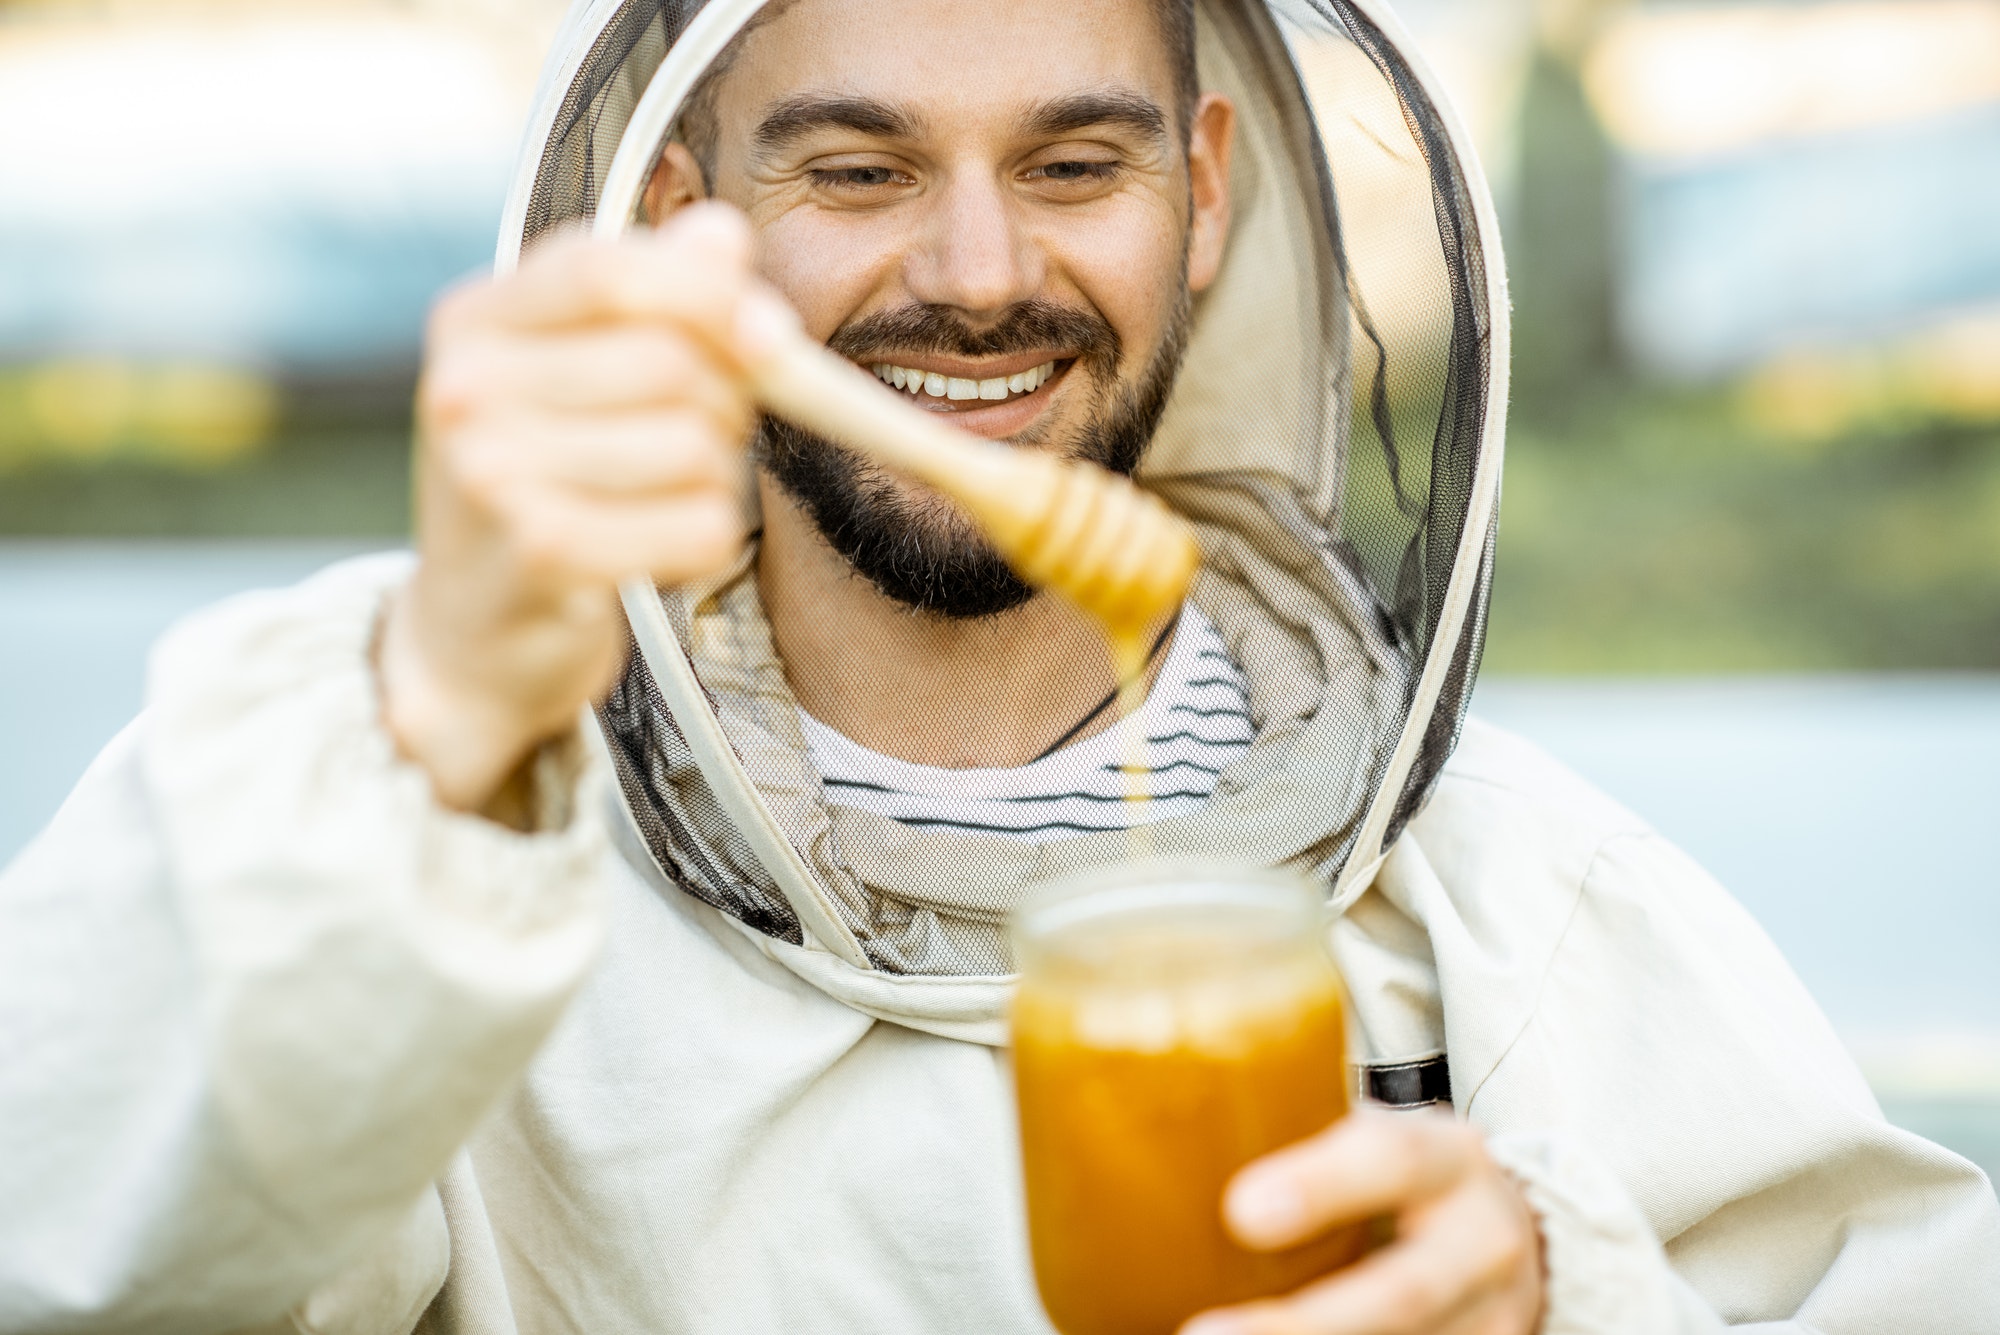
[{"x": 1167, "y": 1031}]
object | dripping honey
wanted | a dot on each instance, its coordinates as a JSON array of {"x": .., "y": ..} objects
[
  {"x": 1156, "y": 1052},
  {"x": 1130, "y": 657}
]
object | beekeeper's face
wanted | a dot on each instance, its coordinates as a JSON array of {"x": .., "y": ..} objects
[{"x": 1003, "y": 206}]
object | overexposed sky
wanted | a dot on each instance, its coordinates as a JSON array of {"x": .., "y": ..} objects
[{"x": 1692, "y": 81}]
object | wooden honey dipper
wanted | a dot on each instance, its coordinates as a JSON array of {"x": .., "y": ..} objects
[{"x": 1069, "y": 526}]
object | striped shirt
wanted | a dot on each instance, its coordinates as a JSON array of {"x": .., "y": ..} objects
[{"x": 1196, "y": 720}]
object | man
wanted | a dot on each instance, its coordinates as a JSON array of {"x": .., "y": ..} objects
[{"x": 338, "y": 996}]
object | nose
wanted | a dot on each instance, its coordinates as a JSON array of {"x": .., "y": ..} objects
[{"x": 975, "y": 255}]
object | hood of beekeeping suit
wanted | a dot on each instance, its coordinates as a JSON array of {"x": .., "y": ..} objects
[{"x": 1335, "y": 434}]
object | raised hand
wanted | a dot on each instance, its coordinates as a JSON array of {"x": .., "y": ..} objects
[{"x": 579, "y": 420}]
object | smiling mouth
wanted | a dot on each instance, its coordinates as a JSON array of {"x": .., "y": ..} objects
[{"x": 932, "y": 386}]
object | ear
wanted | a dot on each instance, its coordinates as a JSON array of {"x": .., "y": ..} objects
[
  {"x": 1211, "y": 137},
  {"x": 676, "y": 181}
]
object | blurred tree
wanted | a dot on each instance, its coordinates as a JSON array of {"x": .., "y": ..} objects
[{"x": 1559, "y": 248}]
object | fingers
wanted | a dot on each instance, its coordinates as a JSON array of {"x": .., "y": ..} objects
[
  {"x": 1466, "y": 1260},
  {"x": 597, "y": 498},
  {"x": 547, "y": 375},
  {"x": 690, "y": 272},
  {"x": 673, "y": 539},
  {"x": 629, "y": 455},
  {"x": 602, "y": 369},
  {"x": 1367, "y": 1164},
  {"x": 1456, "y": 1265}
]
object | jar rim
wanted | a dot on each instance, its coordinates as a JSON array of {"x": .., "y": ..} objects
[{"x": 1163, "y": 884}]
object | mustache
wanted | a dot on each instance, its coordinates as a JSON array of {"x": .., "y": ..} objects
[{"x": 1027, "y": 326}]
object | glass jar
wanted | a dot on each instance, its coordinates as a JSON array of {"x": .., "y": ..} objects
[{"x": 1174, "y": 1021}]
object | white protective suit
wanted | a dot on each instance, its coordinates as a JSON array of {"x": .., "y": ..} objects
[{"x": 286, "y": 1045}]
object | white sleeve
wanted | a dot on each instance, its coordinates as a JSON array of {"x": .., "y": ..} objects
[
  {"x": 1687, "y": 1089},
  {"x": 257, "y": 986},
  {"x": 1605, "y": 1271},
  {"x": 1608, "y": 1275}
]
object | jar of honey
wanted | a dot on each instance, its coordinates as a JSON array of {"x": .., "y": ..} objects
[{"x": 1173, "y": 1022}]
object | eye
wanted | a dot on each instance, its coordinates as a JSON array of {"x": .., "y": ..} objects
[
  {"x": 1067, "y": 172},
  {"x": 855, "y": 178}
]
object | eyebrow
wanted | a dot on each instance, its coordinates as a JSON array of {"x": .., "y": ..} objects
[
  {"x": 1083, "y": 111},
  {"x": 797, "y": 117}
]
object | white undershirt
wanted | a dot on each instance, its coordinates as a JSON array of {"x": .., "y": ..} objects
[{"x": 1196, "y": 719}]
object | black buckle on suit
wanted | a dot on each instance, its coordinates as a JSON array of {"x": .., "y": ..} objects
[{"x": 1420, "y": 1083}]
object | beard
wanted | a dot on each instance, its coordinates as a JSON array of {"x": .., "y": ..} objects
[{"x": 920, "y": 549}]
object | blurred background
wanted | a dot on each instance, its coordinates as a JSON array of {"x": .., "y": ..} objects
[{"x": 1749, "y": 572}]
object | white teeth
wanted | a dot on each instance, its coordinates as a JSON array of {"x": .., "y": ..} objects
[{"x": 994, "y": 388}]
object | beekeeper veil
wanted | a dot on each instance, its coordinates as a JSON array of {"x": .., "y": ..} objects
[{"x": 1334, "y": 434}]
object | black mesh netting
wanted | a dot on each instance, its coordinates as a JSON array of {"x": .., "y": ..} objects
[{"x": 1332, "y": 501}]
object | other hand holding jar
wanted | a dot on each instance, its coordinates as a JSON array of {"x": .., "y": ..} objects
[{"x": 1177, "y": 1025}]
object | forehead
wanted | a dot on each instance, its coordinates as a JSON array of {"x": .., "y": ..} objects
[{"x": 950, "y": 58}]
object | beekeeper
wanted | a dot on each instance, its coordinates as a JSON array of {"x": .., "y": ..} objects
[{"x": 369, "y": 982}]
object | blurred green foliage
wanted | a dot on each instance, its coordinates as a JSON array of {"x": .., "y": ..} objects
[
  {"x": 1648, "y": 532},
  {"x": 314, "y": 479}
]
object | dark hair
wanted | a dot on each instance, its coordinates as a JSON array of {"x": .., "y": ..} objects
[
  {"x": 1177, "y": 27},
  {"x": 696, "y": 126}
]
